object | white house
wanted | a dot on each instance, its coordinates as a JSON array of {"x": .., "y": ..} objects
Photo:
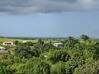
[
  {"x": 10, "y": 43},
  {"x": 24, "y": 41},
  {"x": 58, "y": 44}
]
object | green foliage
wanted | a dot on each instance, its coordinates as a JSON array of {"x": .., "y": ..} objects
[
  {"x": 28, "y": 44},
  {"x": 85, "y": 69},
  {"x": 79, "y": 56},
  {"x": 27, "y": 51},
  {"x": 3, "y": 69},
  {"x": 58, "y": 55},
  {"x": 72, "y": 64},
  {"x": 58, "y": 68},
  {"x": 25, "y": 68},
  {"x": 70, "y": 43},
  {"x": 42, "y": 68},
  {"x": 75, "y": 53},
  {"x": 84, "y": 37}
]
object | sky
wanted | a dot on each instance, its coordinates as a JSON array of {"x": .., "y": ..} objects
[{"x": 49, "y": 18}]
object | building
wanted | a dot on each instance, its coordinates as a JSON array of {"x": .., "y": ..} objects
[
  {"x": 60, "y": 45},
  {"x": 24, "y": 41},
  {"x": 10, "y": 43}
]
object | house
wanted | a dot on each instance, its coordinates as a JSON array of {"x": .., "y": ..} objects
[
  {"x": 60, "y": 45},
  {"x": 10, "y": 43},
  {"x": 24, "y": 41}
]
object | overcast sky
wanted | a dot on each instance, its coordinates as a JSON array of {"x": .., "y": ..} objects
[{"x": 49, "y": 18}]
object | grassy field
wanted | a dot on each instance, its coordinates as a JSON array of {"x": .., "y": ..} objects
[
  {"x": 5, "y": 39},
  {"x": 13, "y": 39}
]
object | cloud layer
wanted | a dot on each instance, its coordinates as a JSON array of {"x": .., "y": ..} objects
[{"x": 46, "y": 6}]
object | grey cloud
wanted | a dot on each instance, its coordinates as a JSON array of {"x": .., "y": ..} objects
[{"x": 46, "y": 6}]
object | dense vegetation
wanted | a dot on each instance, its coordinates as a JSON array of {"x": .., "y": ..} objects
[{"x": 77, "y": 56}]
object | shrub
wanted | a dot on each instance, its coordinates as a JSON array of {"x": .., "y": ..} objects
[
  {"x": 58, "y": 68},
  {"x": 58, "y": 55}
]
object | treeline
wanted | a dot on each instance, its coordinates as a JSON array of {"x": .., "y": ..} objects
[
  {"x": 35, "y": 38},
  {"x": 77, "y": 56}
]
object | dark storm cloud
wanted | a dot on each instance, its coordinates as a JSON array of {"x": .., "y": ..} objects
[{"x": 46, "y": 6}]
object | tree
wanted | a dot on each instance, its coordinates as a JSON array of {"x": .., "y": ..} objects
[
  {"x": 3, "y": 69},
  {"x": 26, "y": 68},
  {"x": 28, "y": 44},
  {"x": 58, "y": 68},
  {"x": 27, "y": 51},
  {"x": 58, "y": 55},
  {"x": 84, "y": 37},
  {"x": 92, "y": 68},
  {"x": 71, "y": 41},
  {"x": 42, "y": 68}
]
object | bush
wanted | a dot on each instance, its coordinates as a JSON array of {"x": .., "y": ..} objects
[
  {"x": 58, "y": 68},
  {"x": 58, "y": 55},
  {"x": 32, "y": 66},
  {"x": 85, "y": 69},
  {"x": 42, "y": 68}
]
